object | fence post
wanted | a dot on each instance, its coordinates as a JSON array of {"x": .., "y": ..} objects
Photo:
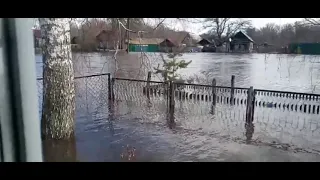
[
  {"x": 112, "y": 88},
  {"x": 232, "y": 89},
  {"x": 214, "y": 83},
  {"x": 250, "y": 105},
  {"x": 165, "y": 76},
  {"x": 148, "y": 84},
  {"x": 213, "y": 95},
  {"x": 171, "y": 101},
  {"x": 165, "y": 84},
  {"x": 109, "y": 86}
]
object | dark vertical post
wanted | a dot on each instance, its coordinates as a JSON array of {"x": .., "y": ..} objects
[
  {"x": 165, "y": 77},
  {"x": 109, "y": 86},
  {"x": 171, "y": 101},
  {"x": 128, "y": 34},
  {"x": 232, "y": 90},
  {"x": 148, "y": 84},
  {"x": 214, "y": 83},
  {"x": 111, "y": 108},
  {"x": 112, "y": 89},
  {"x": 213, "y": 95},
  {"x": 249, "y": 127},
  {"x": 250, "y": 105}
]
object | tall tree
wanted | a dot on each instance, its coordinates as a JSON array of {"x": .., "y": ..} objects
[
  {"x": 223, "y": 28},
  {"x": 58, "y": 80}
]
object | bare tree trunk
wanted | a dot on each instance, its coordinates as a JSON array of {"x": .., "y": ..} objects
[{"x": 58, "y": 80}]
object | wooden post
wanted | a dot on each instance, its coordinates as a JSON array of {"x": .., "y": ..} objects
[
  {"x": 112, "y": 88},
  {"x": 213, "y": 96},
  {"x": 171, "y": 101},
  {"x": 214, "y": 83},
  {"x": 165, "y": 76},
  {"x": 166, "y": 85},
  {"x": 148, "y": 84},
  {"x": 109, "y": 86},
  {"x": 249, "y": 127},
  {"x": 232, "y": 90},
  {"x": 250, "y": 105}
]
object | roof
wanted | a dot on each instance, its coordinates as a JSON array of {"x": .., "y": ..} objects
[
  {"x": 250, "y": 39},
  {"x": 204, "y": 39},
  {"x": 37, "y": 33},
  {"x": 167, "y": 43},
  {"x": 146, "y": 40},
  {"x": 178, "y": 37}
]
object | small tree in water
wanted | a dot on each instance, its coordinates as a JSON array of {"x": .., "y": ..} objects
[{"x": 171, "y": 66}]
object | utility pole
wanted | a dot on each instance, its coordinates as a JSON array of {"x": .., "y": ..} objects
[{"x": 128, "y": 34}]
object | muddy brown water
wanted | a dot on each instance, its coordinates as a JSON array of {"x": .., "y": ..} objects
[{"x": 102, "y": 134}]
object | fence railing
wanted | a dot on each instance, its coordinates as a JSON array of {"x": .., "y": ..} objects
[
  {"x": 132, "y": 89},
  {"x": 194, "y": 106},
  {"x": 92, "y": 95},
  {"x": 225, "y": 109}
]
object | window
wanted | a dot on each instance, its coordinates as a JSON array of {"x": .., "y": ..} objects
[{"x": 19, "y": 122}]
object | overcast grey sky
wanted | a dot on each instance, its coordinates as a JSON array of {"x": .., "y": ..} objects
[{"x": 198, "y": 29}]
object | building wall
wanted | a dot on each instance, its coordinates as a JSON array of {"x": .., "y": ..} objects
[{"x": 242, "y": 47}]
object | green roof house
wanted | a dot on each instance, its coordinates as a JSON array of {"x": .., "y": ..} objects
[{"x": 144, "y": 44}]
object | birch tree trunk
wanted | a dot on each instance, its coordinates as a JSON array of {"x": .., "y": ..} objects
[{"x": 58, "y": 80}]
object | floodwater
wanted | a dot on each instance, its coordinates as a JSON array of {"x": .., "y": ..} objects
[{"x": 103, "y": 131}]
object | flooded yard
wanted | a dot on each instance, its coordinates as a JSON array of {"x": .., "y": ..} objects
[{"x": 103, "y": 131}]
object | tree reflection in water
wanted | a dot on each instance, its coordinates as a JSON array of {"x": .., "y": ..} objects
[{"x": 59, "y": 150}]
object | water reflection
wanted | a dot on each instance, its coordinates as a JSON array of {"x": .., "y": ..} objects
[
  {"x": 59, "y": 150},
  {"x": 249, "y": 126}
]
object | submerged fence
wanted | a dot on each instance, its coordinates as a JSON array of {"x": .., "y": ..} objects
[
  {"x": 91, "y": 96},
  {"x": 271, "y": 116},
  {"x": 288, "y": 117}
]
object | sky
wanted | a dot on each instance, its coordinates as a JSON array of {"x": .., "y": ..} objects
[{"x": 197, "y": 28}]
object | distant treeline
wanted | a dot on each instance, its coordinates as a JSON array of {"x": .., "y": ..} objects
[{"x": 281, "y": 36}]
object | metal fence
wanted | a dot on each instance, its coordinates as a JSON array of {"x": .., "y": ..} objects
[
  {"x": 91, "y": 96},
  {"x": 253, "y": 114}
]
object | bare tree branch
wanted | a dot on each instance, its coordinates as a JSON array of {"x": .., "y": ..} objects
[
  {"x": 312, "y": 21},
  {"x": 223, "y": 28}
]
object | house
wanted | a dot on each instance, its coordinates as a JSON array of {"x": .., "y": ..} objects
[
  {"x": 205, "y": 42},
  {"x": 144, "y": 44},
  {"x": 167, "y": 46},
  {"x": 178, "y": 41},
  {"x": 181, "y": 39},
  {"x": 37, "y": 38},
  {"x": 75, "y": 45},
  {"x": 265, "y": 48},
  {"x": 208, "y": 46},
  {"x": 107, "y": 39},
  {"x": 75, "y": 40},
  {"x": 240, "y": 42}
]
